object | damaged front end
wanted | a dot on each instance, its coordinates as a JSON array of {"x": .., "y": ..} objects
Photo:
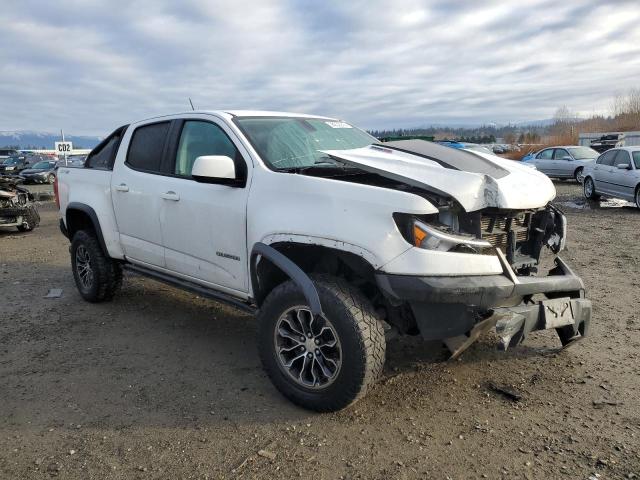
[
  {"x": 17, "y": 207},
  {"x": 458, "y": 309}
]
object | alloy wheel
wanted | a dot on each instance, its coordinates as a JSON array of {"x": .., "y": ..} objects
[
  {"x": 307, "y": 348},
  {"x": 83, "y": 267}
]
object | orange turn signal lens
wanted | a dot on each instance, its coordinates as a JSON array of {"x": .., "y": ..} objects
[{"x": 418, "y": 235}]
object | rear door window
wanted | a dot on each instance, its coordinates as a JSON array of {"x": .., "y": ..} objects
[
  {"x": 545, "y": 154},
  {"x": 146, "y": 147},
  {"x": 636, "y": 159},
  {"x": 103, "y": 156}
]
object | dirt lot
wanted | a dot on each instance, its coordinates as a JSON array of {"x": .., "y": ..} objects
[{"x": 163, "y": 384}]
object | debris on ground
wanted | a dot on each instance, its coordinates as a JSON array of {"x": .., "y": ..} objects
[
  {"x": 54, "y": 293},
  {"x": 506, "y": 391},
  {"x": 267, "y": 454}
]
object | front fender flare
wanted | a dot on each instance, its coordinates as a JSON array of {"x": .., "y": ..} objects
[{"x": 294, "y": 272}]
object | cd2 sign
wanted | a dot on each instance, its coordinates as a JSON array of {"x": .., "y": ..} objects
[{"x": 63, "y": 148}]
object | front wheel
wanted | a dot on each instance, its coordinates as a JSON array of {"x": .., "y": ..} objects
[
  {"x": 638, "y": 196},
  {"x": 579, "y": 175},
  {"x": 97, "y": 276},
  {"x": 51, "y": 178},
  {"x": 589, "y": 189},
  {"x": 325, "y": 363}
]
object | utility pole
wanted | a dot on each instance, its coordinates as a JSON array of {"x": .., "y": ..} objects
[{"x": 65, "y": 152}]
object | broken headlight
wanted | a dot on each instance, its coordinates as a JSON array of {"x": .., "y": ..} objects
[{"x": 431, "y": 237}]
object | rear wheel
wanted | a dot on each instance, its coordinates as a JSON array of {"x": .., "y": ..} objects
[
  {"x": 325, "y": 363},
  {"x": 579, "y": 175},
  {"x": 97, "y": 276},
  {"x": 589, "y": 189}
]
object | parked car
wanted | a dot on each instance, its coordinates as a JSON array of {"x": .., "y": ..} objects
[
  {"x": 616, "y": 173},
  {"x": 42, "y": 172},
  {"x": 564, "y": 161},
  {"x": 14, "y": 165},
  {"x": 465, "y": 146},
  {"x": 8, "y": 152},
  {"x": 329, "y": 236}
]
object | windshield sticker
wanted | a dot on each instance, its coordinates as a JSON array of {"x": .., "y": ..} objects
[{"x": 338, "y": 125}]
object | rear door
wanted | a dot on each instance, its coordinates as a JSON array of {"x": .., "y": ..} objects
[
  {"x": 602, "y": 172},
  {"x": 204, "y": 224},
  {"x": 544, "y": 161},
  {"x": 136, "y": 185}
]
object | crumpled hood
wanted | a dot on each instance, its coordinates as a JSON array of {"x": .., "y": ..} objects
[{"x": 492, "y": 181}]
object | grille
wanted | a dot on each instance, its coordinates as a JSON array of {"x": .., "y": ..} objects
[{"x": 495, "y": 228}]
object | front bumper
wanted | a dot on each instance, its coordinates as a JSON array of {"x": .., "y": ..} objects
[{"x": 455, "y": 307}]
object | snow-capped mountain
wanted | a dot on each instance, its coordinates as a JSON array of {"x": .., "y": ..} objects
[{"x": 43, "y": 140}]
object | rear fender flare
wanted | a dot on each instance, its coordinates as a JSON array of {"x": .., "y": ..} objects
[{"x": 93, "y": 216}]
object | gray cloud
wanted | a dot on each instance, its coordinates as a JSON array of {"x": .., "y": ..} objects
[{"x": 90, "y": 66}]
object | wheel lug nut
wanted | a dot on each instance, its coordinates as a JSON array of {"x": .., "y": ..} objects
[
  {"x": 302, "y": 339},
  {"x": 317, "y": 351},
  {"x": 317, "y": 342},
  {"x": 309, "y": 355},
  {"x": 309, "y": 335}
]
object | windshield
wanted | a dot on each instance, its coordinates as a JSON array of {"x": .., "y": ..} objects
[
  {"x": 583, "y": 153},
  {"x": 44, "y": 165},
  {"x": 11, "y": 161},
  {"x": 294, "y": 142}
]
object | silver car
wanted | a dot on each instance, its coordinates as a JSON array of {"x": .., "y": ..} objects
[
  {"x": 616, "y": 173},
  {"x": 564, "y": 161}
]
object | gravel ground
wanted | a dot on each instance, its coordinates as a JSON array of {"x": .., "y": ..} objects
[{"x": 163, "y": 384}]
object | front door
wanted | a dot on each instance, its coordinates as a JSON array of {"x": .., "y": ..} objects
[
  {"x": 203, "y": 224},
  {"x": 562, "y": 163},
  {"x": 544, "y": 161},
  {"x": 624, "y": 182}
]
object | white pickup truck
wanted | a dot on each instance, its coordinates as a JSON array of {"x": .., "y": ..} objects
[{"x": 333, "y": 238}]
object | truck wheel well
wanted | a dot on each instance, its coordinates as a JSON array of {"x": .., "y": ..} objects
[
  {"x": 82, "y": 217},
  {"x": 316, "y": 259}
]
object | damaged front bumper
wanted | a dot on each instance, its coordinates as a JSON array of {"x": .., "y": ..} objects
[{"x": 458, "y": 310}]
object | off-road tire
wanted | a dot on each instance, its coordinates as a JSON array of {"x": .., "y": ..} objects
[
  {"x": 107, "y": 273},
  {"x": 594, "y": 195},
  {"x": 578, "y": 175},
  {"x": 358, "y": 329},
  {"x": 30, "y": 218}
]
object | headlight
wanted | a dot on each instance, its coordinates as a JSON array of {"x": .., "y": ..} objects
[
  {"x": 431, "y": 238},
  {"x": 9, "y": 168}
]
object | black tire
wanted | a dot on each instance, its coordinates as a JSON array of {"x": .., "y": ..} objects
[
  {"x": 358, "y": 330},
  {"x": 30, "y": 219},
  {"x": 577, "y": 175},
  {"x": 589, "y": 189},
  {"x": 51, "y": 178},
  {"x": 638, "y": 196},
  {"x": 106, "y": 274}
]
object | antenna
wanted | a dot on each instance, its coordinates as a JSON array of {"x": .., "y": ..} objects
[{"x": 192, "y": 108}]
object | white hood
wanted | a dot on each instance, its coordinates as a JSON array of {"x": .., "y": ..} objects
[{"x": 509, "y": 186}]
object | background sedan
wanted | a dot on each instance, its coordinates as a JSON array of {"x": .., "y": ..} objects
[
  {"x": 564, "y": 161},
  {"x": 616, "y": 173},
  {"x": 41, "y": 172}
]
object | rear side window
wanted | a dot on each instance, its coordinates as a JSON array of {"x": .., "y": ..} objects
[
  {"x": 147, "y": 146},
  {"x": 545, "y": 154},
  {"x": 636, "y": 159},
  {"x": 607, "y": 158},
  {"x": 103, "y": 156}
]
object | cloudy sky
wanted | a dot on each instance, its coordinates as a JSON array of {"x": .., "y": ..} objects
[{"x": 89, "y": 66}]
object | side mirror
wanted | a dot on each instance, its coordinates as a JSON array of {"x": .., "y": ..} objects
[
  {"x": 568, "y": 158},
  {"x": 623, "y": 166},
  {"x": 214, "y": 169}
]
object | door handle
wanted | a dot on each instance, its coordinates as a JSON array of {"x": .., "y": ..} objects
[
  {"x": 170, "y": 195},
  {"x": 122, "y": 187}
]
